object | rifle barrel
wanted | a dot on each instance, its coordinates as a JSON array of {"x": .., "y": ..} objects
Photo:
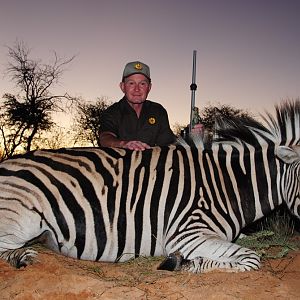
[{"x": 193, "y": 88}]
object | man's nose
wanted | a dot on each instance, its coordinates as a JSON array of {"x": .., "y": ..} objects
[{"x": 137, "y": 87}]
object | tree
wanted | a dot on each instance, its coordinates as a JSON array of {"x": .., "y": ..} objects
[
  {"x": 208, "y": 116},
  {"x": 177, "y": 128},
  {"x": 210, "y": 113},
  {"x": 30, "y": 112},
  {"x": 57, "y": 137},
  {"x": 87, "y": 121}
]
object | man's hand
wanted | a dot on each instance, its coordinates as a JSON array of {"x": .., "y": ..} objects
[
  {"x": 109, "y": 139},
  {"x": 135, "y": 145},
  {"x": 198, "y": 129}
]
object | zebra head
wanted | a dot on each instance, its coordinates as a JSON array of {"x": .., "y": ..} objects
[
  {"x": 285, "y": 129},
  {"x": 290, "y": 181},
  {"x": 280, "y": 137}
]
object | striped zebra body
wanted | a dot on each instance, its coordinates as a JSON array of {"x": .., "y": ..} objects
[{"x": 185, "y": 203}]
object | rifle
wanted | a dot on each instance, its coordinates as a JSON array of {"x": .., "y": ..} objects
[
  {"x": 194, "y": 113},
  {"x": 194, "y": 110}
]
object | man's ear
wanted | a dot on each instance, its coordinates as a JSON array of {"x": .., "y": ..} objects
[{"x": 122, "y": 86}]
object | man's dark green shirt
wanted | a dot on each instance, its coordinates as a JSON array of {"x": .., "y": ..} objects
[{"x": 152, "y": 127}]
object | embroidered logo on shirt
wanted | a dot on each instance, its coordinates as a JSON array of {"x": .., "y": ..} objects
[
  {"x": 138, "y": 67},
  {"x": 152, "y": 120}
]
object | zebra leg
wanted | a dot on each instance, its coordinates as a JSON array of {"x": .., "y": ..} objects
[
  {"x": 18, "y": 258},
  {"x": 212, "y": 254},
  {"x": 242, "y": 263},
  {"x": 24, "y": 256}
]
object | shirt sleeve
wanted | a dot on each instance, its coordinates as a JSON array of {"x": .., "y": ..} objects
[
  {"x": 109, "y": 121},
  {"x": 165, "y": 136}
]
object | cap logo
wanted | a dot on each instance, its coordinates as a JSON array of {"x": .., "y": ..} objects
[{"x": 138, "y": 66}]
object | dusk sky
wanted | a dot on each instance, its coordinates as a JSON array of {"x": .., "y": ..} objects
[{"x": 248, "y": 51}]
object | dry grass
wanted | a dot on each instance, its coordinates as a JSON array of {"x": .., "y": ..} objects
[{"x": 276, "y": 237}]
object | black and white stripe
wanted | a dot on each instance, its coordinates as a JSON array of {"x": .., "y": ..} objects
[{"x": 186, "y": 203}]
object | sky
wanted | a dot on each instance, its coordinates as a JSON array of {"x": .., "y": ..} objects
[{"x": 248, "y": 51}]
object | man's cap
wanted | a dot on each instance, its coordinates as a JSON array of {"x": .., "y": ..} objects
[{"x": 136, "y": 67}]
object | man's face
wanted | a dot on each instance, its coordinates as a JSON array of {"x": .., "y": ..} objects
[{"x": 136, "y": 88}]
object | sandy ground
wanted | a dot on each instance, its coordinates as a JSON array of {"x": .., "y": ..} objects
[{"x": 56, "y": 277}]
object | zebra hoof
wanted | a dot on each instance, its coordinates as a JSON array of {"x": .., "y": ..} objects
[
  {"x": 26, "y": 258},
  {"x": 20, "y": 258},
  {"x": 173, "y": 262}
]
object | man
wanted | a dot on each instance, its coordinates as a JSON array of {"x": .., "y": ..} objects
[{"x": 134, "y": 122}]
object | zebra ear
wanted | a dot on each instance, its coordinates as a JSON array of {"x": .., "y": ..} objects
[{"x": 287, "y": 154}]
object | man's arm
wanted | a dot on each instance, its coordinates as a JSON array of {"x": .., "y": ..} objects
[{"x": 109, "y": 139}]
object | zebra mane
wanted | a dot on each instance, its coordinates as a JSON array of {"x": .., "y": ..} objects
[
  {"x": 194, "y": 141},
  {"x": 281, "y": 129},
  {"x": 237, "y": 129},
  {"x": 285, "y": 127}
]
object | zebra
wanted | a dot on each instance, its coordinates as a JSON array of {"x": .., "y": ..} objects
[{"x": 187, "y": 203}]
